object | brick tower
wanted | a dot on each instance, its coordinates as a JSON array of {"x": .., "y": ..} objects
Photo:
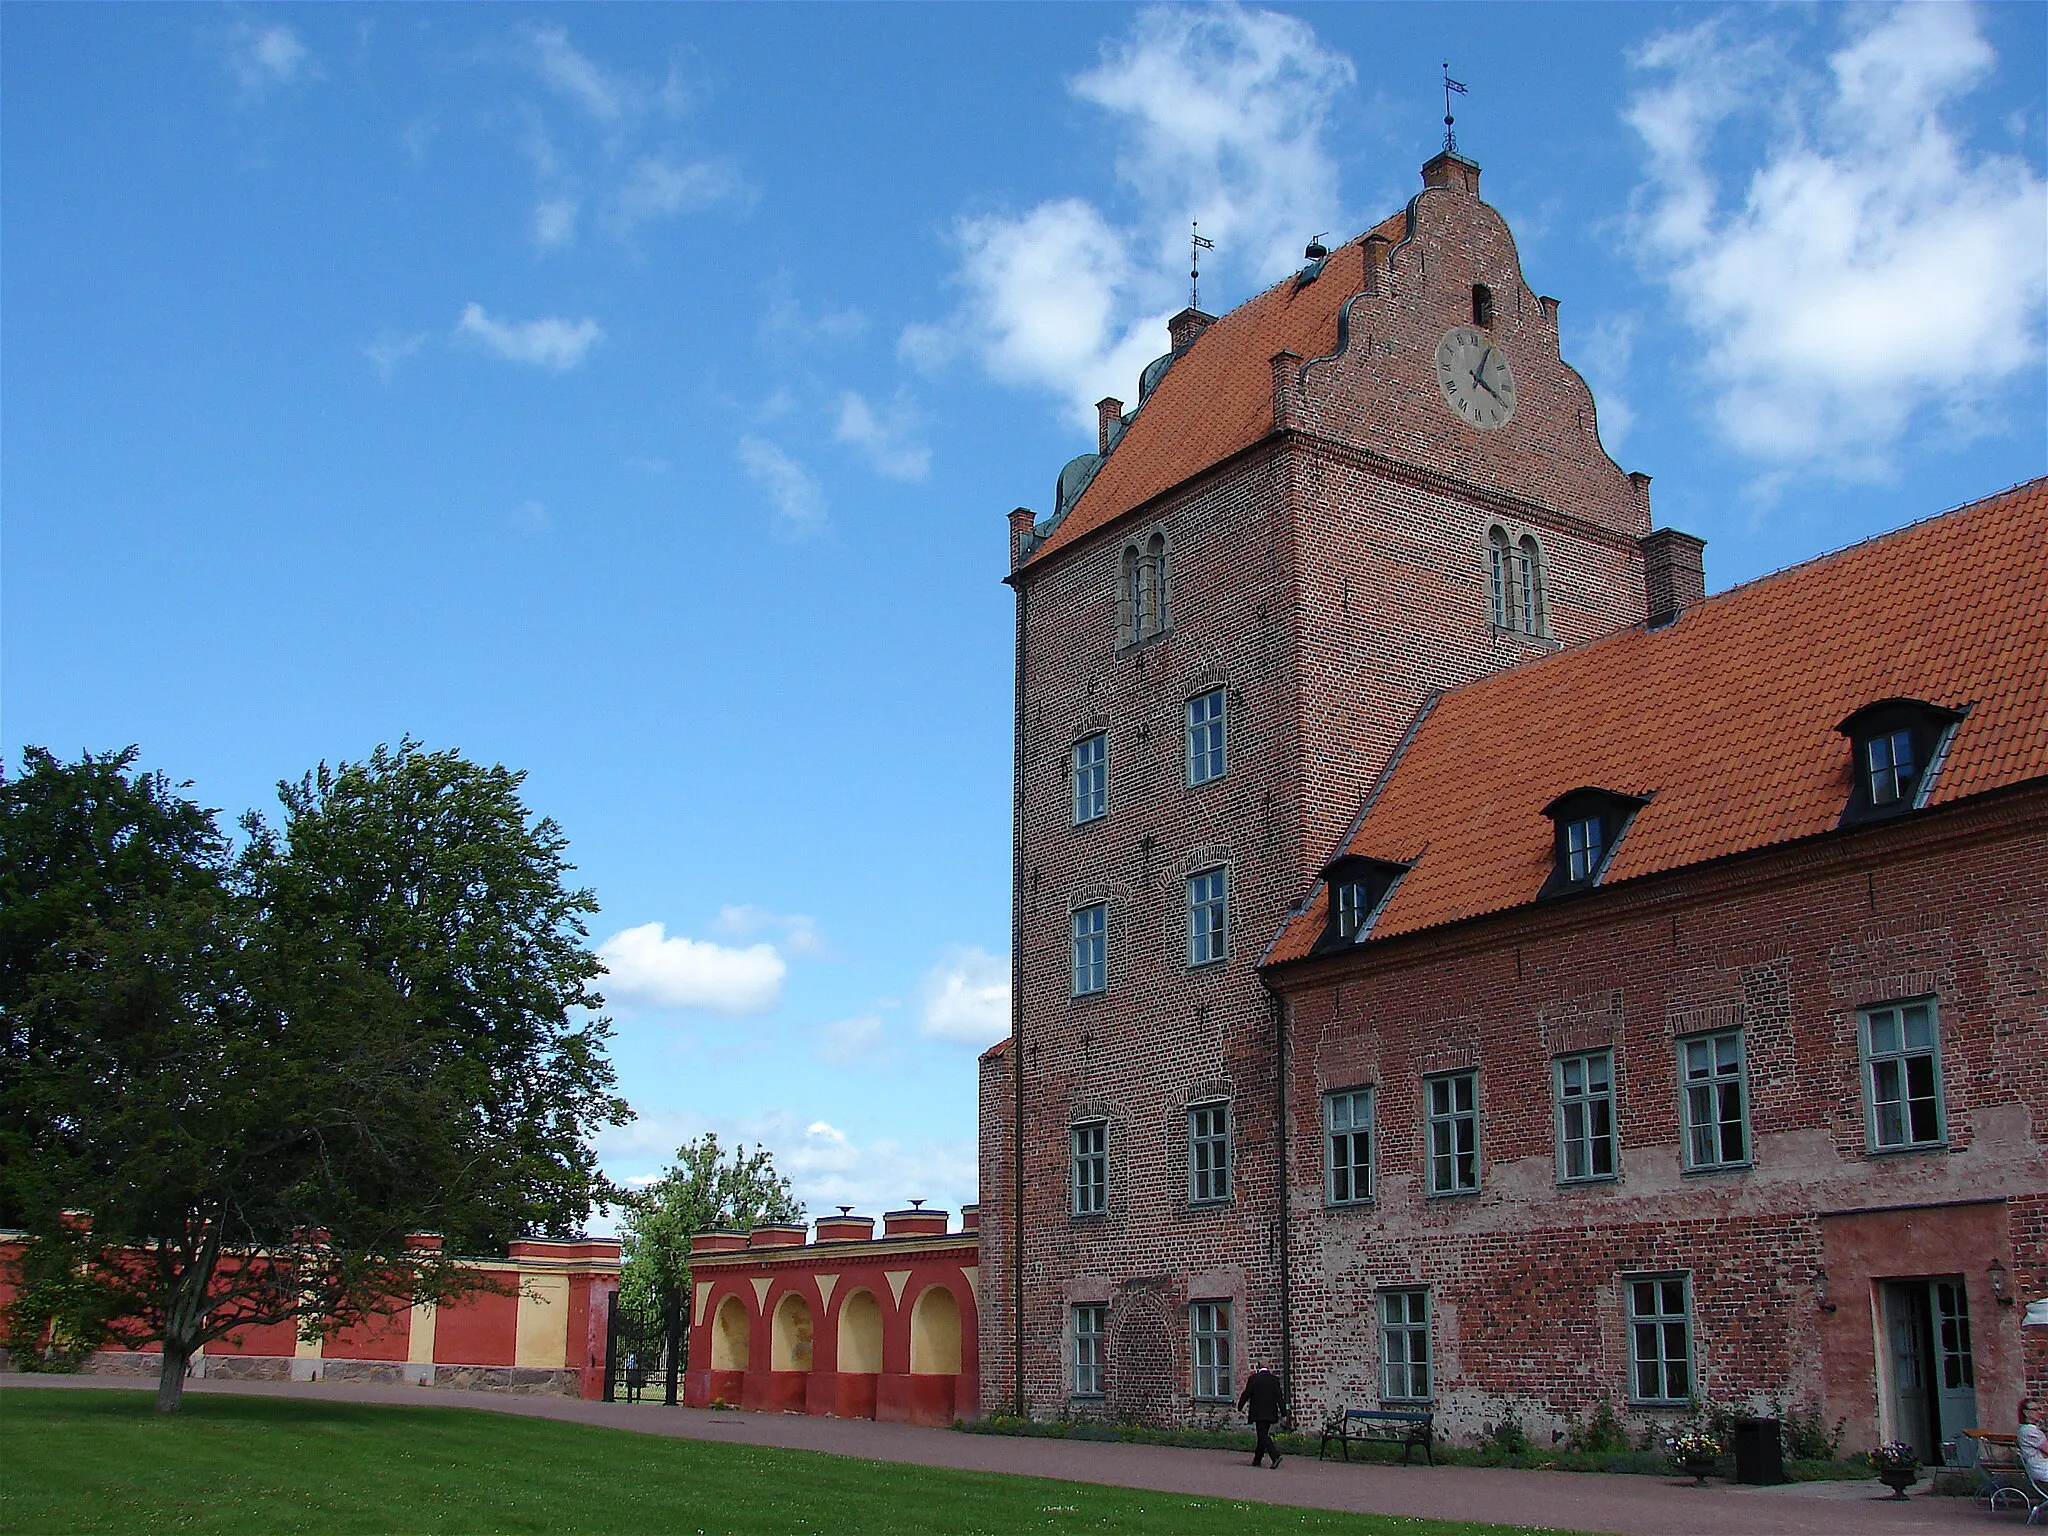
[{"x": 1374, "y": 481}]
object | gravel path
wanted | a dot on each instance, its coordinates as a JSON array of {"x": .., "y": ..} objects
[{"x": 1574, "y": 1501}]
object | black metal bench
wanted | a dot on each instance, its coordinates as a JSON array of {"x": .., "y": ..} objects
[{"x": 1409, "y": 1426}]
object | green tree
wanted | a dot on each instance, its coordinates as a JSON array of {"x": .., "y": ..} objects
[
  {"x": 261, "y": 1074},
  {"x": 703, "y": 1190}
]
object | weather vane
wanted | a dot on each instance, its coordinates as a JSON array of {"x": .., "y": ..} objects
[
  {"x": 1196, "y": 245},
  {"x": 1450, "y": 86}
]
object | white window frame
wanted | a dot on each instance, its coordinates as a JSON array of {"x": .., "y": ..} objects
[
  {"x": 1354, "y": 906},
  {"x": 1589, "y": 1102},
  {"x": 1650, "y": 1338},
  {"x": 1901, "y": 1057},
  {"x": 1209, "y": 1154},
  {"x": 1088, "y": 951},
  {"x": 1208, "y": 736},
  {"x": 1585, "y": 851},
  {"x": 1088, "y": 1167},
  {"x": 1209, "y": 916},
  {"x": 1715, "y": 1082},
  {"x": 1404, "y": 1326},
  {"x": 1887, "y": 771},
  {"x": 1437, "y": 1148},
  {"x": 1091, "y": 1348},
  {"x": 1211, "y": 1351},
  {"x": 1348, "y": 1180},
  {"x": 1090, "y": 762}
]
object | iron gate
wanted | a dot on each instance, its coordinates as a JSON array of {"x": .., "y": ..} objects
[{"x": 644, "y": 1349}]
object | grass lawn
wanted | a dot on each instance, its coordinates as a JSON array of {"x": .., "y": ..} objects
[{"x": 105, "y": 1461}]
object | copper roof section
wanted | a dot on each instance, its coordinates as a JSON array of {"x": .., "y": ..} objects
[
  {"x": 1725, "y": 719},
  {"x": 1218, "y": 398}
]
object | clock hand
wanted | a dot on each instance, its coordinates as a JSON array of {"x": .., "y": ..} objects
[{"x": 1480, "y": 379}]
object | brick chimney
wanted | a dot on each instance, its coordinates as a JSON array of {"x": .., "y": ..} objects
[
  {"x": 1376, "y": 249},
  {"x": 1020, "y": 536},
  {"x": 1674, "y": 573},
  {"x": 1186, "y": 326},
  {"x": 1450, "y": 169},
  {"x": 1109, "y": 415}
]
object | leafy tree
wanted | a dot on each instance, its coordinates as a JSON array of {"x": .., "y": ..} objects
[
  {"x": 259, "y": 1075},
  {"x": 701, "y": 1191}
]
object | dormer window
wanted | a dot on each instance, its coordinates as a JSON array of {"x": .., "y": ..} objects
[
  {"x": 1896, "y": 746},
  {"x": 1359, "y": 887},
  {"x": 1589, "y": 823},
  {"x": 1585, "y": 848}
]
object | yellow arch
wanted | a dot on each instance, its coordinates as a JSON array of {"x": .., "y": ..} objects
[
  {"x": 731, "y": 1336},
  {"x": 860, "y": 1333},
  {"x": 935, "y": 1334},
  {"x": 790, "y": 1335}
]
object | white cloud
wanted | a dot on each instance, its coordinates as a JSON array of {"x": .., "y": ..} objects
[
  {"x": 827, "y": 1169},
  {"x": 264, "y": 58},
  {"x": 660, "y": 188},
  {"x": 647, "y": 966},
  {"x": 594, "y": 90},
  {"x": 531, "y": 516},
  {"x": 967, "y": 997},
  {"x": 1221, "y": 114},
  {"x": 1865, "y": 270},
  {"x": 827, "y": 1166},
  {"x": 1224, "y": 112},
  {"x": 391, "y": 348},
  {"x": 554, "y": 221},
  {"x": 798, "y": 930},
  {"x": 799, "y": 503},
  {"x": 788, "y": 324},
  {"x": 851, "y": 1042},
  {"x": 888, "y": 438},
  {"x": 546, "y": 343},
  {"x": 1604, "y": 352}
]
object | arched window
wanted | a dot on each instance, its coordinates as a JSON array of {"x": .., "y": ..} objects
[
  {"x": 1141, "y": 598},
  {"x": 1497, "y": 574},
  {"x": 1528, "y": 587},
  {"x": 1155, "y": 557},
  {"x": 1482, "y": 304}
]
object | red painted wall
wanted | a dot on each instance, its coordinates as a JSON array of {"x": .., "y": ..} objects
[{"x": 478, "y": 1331}]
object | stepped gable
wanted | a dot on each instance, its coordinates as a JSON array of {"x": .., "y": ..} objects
[
  {"x": 1725, "y": 718},
  {"x": 1218, "y": 398}
]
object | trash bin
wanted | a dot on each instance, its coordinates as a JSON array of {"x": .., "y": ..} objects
[{"x": 1759, "y": 1451}]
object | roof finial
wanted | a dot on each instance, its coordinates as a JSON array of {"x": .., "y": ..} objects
[
  {"x": 1450, "y": 133},
  {"x": 1196, "y": 245}
]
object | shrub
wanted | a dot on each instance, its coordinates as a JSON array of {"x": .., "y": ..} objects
[
  {"x": 1807, "y": 1436},
  {"x": 1508, "y": 1437},
  {"x": 1601, "y": 1431}
]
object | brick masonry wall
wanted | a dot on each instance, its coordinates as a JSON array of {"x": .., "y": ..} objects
[
  {"x": 1329, "y": 580},
  {"x": 1525, "y": 1277}
]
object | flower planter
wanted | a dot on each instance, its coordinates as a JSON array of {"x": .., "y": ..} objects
[
  {"x": 1899, "y": 1479},
  {"x": 1697, "y": 1469}
]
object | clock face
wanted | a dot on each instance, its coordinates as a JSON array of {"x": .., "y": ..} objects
[{"x": 1475, "y": 378}]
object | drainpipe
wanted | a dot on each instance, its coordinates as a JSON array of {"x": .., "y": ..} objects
[
  {"x": 1279, "y": 1006},
  {"x": 1017, "y": 1008}
]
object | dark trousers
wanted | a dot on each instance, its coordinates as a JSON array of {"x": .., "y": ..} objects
[{"x": 1265, "y": 1447}]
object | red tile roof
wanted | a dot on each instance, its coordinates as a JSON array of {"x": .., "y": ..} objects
[
  {"x": 1726, "y": 718},
  {"x": 1218, "y": 398}
]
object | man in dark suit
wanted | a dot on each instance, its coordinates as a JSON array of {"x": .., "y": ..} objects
[{"x": 1261, "y": 1400}]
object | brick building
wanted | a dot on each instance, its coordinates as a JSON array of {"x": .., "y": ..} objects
[{"x": 1354, "y": 605}]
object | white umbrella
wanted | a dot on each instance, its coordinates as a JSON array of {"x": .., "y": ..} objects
[{"x": 2037, "y": 1315}]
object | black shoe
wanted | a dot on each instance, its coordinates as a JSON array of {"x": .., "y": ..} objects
[{"x": 1276, "y": 1463}]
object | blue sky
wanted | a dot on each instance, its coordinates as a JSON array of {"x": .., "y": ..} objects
[{"x": 633, "y": 395}]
